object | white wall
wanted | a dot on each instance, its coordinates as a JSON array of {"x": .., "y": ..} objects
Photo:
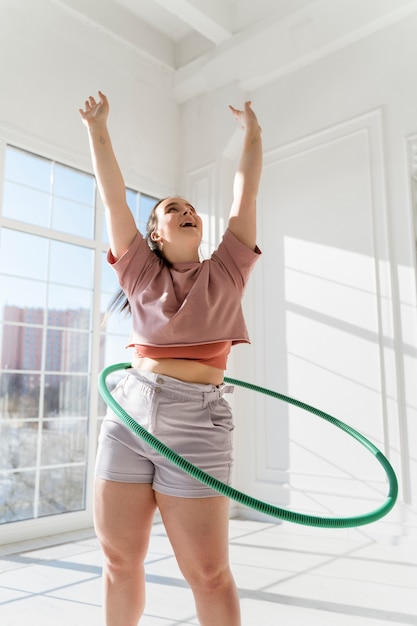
[
  {"x": 332, "y": 305},
  {"x": 50, "y": 61}
]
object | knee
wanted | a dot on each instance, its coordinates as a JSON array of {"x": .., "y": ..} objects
[
  {"x": 210, "y": 578},
  {"x": 119, "y": 560}
]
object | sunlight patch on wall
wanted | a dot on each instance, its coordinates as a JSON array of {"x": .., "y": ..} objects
[{"x": 333, "y": 341}]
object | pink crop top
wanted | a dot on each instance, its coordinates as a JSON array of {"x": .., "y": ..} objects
[
  {"x": 213, "y": 354},
  {"x": 189, "y": 310}
]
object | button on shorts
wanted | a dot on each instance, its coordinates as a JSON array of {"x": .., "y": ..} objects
[{"x": 192, "y": 419}]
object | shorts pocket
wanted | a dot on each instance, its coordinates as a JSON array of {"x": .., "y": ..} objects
[
  {"x": 221, "y": 414},
  {"x": 129, "y": 393}
]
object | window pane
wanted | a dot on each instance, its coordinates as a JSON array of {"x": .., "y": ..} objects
[
  {"x": 69, "y": 307},
  {"x": 17, "y": 491},
  {"x": 71, "y": 265},
  {"x": 67, "y": 351},
  {"x": 108, "y": 277},
  {"x": 19, "y": 395},
  {"x": 26, "y": 204},
  {"x": 119, "y": 324},
  {"x": 73, "y": 184},
  {"x": 61, "y": 490},
  {"x": 116, "y": 326},
  {"x": 131, "y": 199},
  {"x": 114, "y": 350},
  {"x": 72, "y": 217},
  {"x": 104, "y": 235},
  {"x": 28, "y": 169},
  {"x": 66, "y": 396},
  {"x": 63, "y": 441},
  {"x": 21, "y": 347},
  {"x": 18, "y": 444},
  {"x": 146, "y": 204},
  {"x": 23, "y": 255},
  {"x": 26, "y": 295}
]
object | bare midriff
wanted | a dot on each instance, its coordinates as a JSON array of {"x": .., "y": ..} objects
[{"x": 183, "y": 369}]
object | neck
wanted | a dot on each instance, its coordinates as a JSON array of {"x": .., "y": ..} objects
[{"x": 175, "y": 255}]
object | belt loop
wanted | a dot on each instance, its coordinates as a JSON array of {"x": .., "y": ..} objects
[
  {"x": 216, "y": 393},
  {"x": 210, "y": 396},
  {"x": 206, "y": 398}
]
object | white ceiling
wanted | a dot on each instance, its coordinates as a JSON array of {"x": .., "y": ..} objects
[
  {"x": 215, "y": 20},
  {"x": 208, "y": 43}
]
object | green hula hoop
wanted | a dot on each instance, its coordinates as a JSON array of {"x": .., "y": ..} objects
[{"x": 245, "y": 499}]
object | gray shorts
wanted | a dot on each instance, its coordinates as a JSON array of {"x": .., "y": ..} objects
[{"x": 192, "y": 419}]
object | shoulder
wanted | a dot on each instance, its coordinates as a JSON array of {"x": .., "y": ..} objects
[
  {"x": 136, "y": 261},
  {"x": 138, "y": 247},
  {"x": 231, "y": 246},
  {"x": 235, "y": 257}
]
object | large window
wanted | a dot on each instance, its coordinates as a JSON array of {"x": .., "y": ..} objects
[{"x": 52, "y": 265}]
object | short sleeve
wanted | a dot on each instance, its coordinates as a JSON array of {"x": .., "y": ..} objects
[
  {"x": 132, "y": 265},
  {"x": 236, "y": 257}
]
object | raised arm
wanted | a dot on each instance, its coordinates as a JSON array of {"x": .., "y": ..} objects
[
  {"x": 120, "y": 222},
  {"x": 242, "y": 219}
]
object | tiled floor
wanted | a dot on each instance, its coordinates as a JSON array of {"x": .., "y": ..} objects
[{"x": 287, "y": 576}]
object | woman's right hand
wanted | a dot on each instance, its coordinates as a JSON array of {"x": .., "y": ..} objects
[{"x": 95, "y": 111}]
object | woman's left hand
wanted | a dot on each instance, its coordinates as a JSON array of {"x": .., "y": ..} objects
[{"x": 246, "y": 118}]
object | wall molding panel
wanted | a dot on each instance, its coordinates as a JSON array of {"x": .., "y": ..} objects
[{"x": 330, "y": 240}]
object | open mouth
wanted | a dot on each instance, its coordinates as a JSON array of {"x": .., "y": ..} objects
[{"x": 188, "y": 225}]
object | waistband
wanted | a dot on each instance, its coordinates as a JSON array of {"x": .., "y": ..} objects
[{"x": 180, "y": 389}]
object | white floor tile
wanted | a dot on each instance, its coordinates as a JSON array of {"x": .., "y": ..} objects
[{"x": 286, "y": 575}]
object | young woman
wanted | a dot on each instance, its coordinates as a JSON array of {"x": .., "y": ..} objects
[{"x": 186, "y": 315}]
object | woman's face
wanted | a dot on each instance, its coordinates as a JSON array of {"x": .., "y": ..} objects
[{"x": 178, "y": 223}]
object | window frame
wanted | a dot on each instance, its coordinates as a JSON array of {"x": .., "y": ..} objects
[{"x": 69, "y": 521}]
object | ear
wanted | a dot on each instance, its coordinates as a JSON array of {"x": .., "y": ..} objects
[{"x": 155, "y": 237}]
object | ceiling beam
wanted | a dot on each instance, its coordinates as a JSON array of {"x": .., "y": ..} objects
[
  {"x": 210, "y": 19},
  {"x": 267, "y": 52}
]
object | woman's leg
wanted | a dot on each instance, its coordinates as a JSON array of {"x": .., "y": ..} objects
[
  {"x": 123, "y": 516},
  {"x": 198, "y": 531}
]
